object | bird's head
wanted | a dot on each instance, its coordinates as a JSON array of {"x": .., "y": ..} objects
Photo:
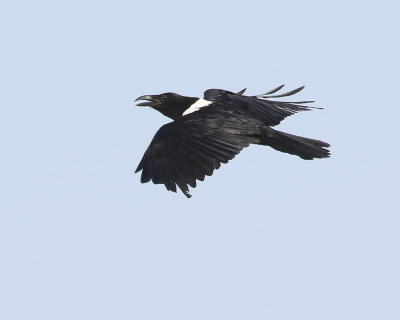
[{"x": 169, "y": 104}]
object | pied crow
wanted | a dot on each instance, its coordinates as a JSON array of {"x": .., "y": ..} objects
[{"x": 213, "y": 130}]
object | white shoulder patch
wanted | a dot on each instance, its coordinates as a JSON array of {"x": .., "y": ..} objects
[{"x": 201, "y": 103}]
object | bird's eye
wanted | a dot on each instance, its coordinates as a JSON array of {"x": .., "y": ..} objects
[{"x": 165, "y": 97}]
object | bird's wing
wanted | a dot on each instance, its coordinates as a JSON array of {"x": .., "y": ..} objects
[
  {"x": 191, "y": 147},
  {"x": 271, "y": 112}
]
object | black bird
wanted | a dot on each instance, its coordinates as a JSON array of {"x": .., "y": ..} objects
[{"x": 210, "y": 131}]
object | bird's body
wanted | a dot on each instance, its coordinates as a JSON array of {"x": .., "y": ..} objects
[{"x": 213, "y": 130}]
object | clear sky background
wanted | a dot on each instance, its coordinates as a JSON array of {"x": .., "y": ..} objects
[{"x": 268, "y": 236}]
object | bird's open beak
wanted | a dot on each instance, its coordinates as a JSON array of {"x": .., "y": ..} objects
[{"x": 152, "y": 101}]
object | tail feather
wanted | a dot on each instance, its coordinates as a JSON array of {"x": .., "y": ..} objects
[{"x": 304, "y": 148}]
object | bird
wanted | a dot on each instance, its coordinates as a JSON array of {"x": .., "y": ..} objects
[{"x": 207, "y": 132}]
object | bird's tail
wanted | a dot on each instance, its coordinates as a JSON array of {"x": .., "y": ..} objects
[{"x": 304, "y": 148}]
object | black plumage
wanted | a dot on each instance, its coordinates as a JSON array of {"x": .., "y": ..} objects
[{"x": 210, "y": 131}]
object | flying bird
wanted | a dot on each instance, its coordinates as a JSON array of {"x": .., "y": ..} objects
[{"x": 208, "y": 131}]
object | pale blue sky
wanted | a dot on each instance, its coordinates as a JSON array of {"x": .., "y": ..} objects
[{"x": 268, "y": 236}]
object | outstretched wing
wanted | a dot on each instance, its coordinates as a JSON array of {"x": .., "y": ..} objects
[
  {"x": 191, "y": 147},
  {"x": 271, "y": 112}
]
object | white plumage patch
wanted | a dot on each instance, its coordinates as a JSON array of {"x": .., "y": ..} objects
[{"x": 201, "y": 103}]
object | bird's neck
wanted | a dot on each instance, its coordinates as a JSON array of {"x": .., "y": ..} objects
[{"x": 178, "y": 108}]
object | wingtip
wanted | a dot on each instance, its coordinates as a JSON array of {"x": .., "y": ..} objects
[
  {"x": 286, "y": 94},
  {"x": 241, "y": 92},
  {"x": 140, "y": 166},
  {"x": 188, "y": 195},
  {"x": 270, "y": 91}
]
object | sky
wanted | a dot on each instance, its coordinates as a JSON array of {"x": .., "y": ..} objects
[{"x": 268, "y": 236}]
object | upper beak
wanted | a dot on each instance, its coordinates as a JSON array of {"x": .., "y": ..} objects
[{"x": 151, "y": 101}]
